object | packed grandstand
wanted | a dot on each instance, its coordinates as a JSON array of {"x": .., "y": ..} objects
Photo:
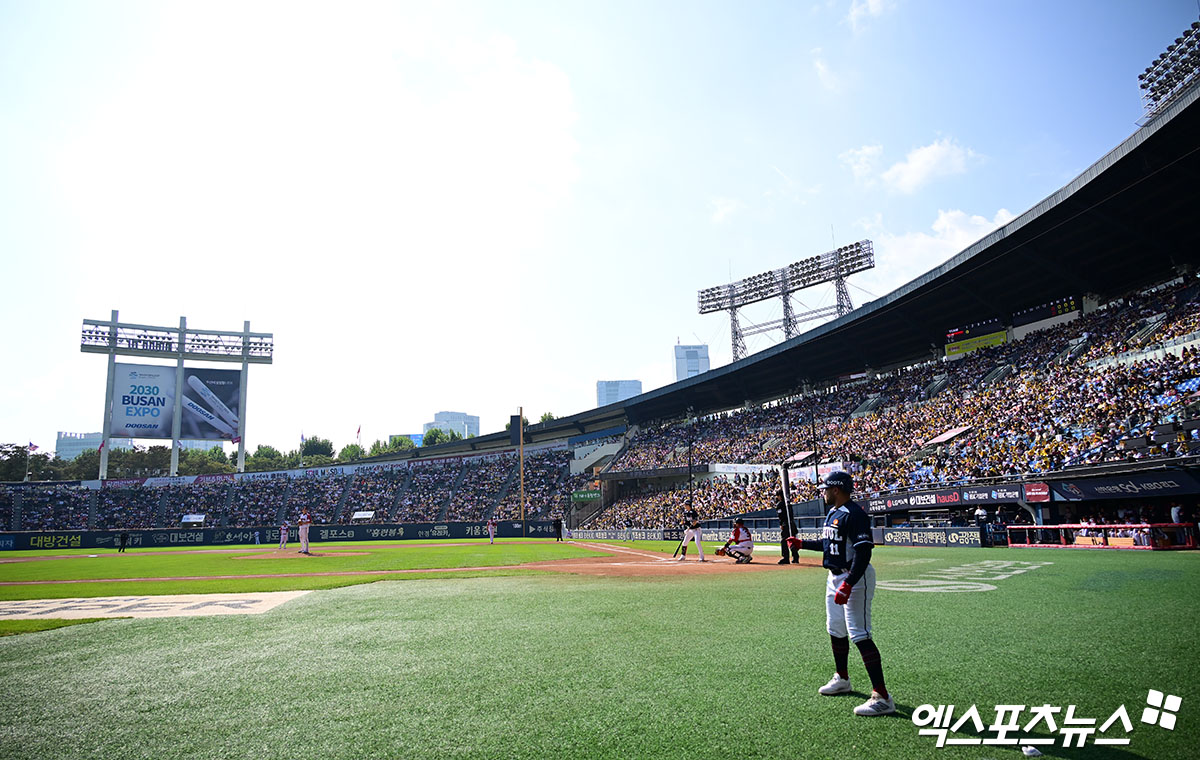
[
  {"x": 1096, "y": 389},
  {"x": 1108, "y": 383}
]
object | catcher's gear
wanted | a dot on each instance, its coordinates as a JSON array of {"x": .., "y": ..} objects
[
  {"x": 794, "y": 543},
  {"x": 721, "y": 552},
  {"x": 842, "y": 595}
]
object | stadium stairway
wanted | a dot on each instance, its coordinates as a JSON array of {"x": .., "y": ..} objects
[
  {"x": 93, "y": 509},
  {"x": 444, "y": 509},
  {"x": 939, "y": 384},
  {"x": 868, "y": 406},
  {"x": 399, "y": 498},
  {"x": 996, "y": 375},
  {"x": 340, "y": 510},
  {"x": 281, "y": 513},
  {"x": 160, "y": 515},
  {"x": 228, "y": 507},
  {"x": 504, "y": 489}
]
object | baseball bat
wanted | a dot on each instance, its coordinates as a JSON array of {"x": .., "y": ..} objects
[{"x": 678, "y": 546}]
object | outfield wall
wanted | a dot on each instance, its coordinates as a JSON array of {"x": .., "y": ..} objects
[
  {"x": 971, "y": 537},
  {"x": 318, "y": 534}
]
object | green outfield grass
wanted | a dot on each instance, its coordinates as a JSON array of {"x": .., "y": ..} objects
[{"x": 555, "y": 665}]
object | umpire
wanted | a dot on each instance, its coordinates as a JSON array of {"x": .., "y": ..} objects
[{"x": 786, "y": 529}]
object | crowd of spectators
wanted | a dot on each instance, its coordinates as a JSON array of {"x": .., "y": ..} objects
[
  {"x": 208, "y": 499},
  {"x": 55, "y": 508},
  {"x": 256, "y": 502},
  {"x": 373, "y": 492},
  {"x": 546, "y": 474},
  {"x": 712, "y": 498},
  {"x": 1053, "y": 407},
  {"x": 7, "y": 502},
  {"x": 481, "y": 484},
  {"x": 134, "y": 508},
  {"x": 319, "y": 496},
  {"x": 429, "y": 488}
]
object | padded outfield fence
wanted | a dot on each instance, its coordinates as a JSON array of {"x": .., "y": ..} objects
[{"x": 267, "y": 536}]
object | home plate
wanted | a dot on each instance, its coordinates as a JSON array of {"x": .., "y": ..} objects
[{"x": 174, "y": 605}]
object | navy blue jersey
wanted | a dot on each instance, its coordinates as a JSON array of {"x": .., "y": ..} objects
[{"x": 846, "y": 527}]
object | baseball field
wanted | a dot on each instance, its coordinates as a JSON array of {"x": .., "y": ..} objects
[{"x": 579, "y": 650}]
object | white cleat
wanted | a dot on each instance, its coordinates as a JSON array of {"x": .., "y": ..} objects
[
  {"x": 679, "y": 559},
  {"x": 876, "y": 705},
  {"x": 836, "y": 685}
]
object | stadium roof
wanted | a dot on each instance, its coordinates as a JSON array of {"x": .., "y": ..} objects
[{"x": 1126, "y": 222}]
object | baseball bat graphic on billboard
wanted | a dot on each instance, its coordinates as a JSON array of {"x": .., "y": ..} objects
[
  {"x": 206, "y": 416},
  {"x": 217, "y": 405}
]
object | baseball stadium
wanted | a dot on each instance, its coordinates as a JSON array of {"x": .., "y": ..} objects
[{"x": 991, "y": 475}]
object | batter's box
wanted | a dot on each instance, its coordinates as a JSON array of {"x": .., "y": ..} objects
[{"x": 176, "y": 605}]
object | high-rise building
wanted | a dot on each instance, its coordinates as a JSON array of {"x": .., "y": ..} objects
[
  {"x": 466, "y": 425},
  {"x": 612, "y": 391},
  {"x": 690, "y": 361},
  {"x": 70, "y": 445}
]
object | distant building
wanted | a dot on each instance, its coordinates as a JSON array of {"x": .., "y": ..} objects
[
  {"x": 690, "y": 361},
  {"x": 612, "y": 391},
  {"x": 68, "y": 446},
  {"x": 466, "y": 425}
]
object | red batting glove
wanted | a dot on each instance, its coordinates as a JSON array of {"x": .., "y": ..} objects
[
  {"x": 794, "y": 543},
  {"x": 842, "y": 595}
]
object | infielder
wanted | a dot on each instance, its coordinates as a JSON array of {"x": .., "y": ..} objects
[
  {"x": 691, "y": 524},
  {"x": 741, "y": 544},
  {"x": 283, "y": 536},
  {"x": 305, "y": 521},
  {"x": 846, "y": 552}
]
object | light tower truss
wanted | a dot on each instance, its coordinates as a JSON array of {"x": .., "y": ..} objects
[
  {"x": 178, "y": 344},
  {"x": 1172, "y": 73},
  {"x": 834, "y": 266}
]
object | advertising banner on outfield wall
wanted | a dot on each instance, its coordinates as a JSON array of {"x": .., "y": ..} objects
[
  {"x": 144, "y": 402},
  {"x": 268, "y": 536},
  {"x": 968, "y": 537}
]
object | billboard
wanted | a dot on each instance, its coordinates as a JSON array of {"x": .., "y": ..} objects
[
  {"x": 144, "y": 403},
  {"x": 962, "y": 347}
]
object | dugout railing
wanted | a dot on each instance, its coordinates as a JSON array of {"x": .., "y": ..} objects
[{"x": 1149, "y": 536}]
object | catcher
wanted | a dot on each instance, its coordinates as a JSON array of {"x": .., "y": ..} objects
[{"x": 740, "y": 545}]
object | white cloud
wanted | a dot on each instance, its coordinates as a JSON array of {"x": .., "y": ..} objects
[
  {"x": 861, "y": 10},
  {"x": 902, "y": 257},
  {"x": 941, "y": 158},
  {"x": 315, "y": 145},
  {"x": 724, "y": 208},
  {"x": 825, "y": 76},
  {"x": 862, "y": 161}
]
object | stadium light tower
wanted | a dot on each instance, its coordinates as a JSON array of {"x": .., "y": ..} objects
[
  {"x": 834, "y": 266},
  {"x": 216, "y": 408},
  {"x": 1172, "y": 73}
]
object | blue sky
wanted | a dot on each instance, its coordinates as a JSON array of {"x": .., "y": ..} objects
[{"x": 479, "y": 206}]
